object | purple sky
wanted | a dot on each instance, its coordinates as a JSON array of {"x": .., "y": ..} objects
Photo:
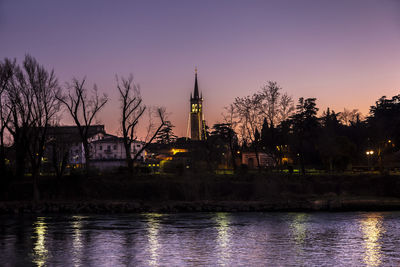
[{"x": 344, "y": 53}]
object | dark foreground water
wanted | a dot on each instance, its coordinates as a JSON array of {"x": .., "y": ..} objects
[{"x": 202, "y": 239}]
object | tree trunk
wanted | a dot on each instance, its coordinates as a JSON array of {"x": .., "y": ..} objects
[
  {"x": 87, "y": 157},
  {"x": 129, "y": 161},
  {"x": 303, "y": 169},
  {"x": 36, "y": 192},
  {"x": 19, "y": 161},
  {"x": 258, "y": 159},
  {"x": 233, "y": 154},
  {"x": 2, "y": 159}
]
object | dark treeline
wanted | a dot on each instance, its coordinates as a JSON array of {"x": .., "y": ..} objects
[
  {"x": 267, "y": 122},
  {"x": 294, "y": 135},
  {"x": 32, "y": 100}
]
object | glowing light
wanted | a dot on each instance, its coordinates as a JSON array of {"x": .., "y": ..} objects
[
  {"x": 178, "y": 150},
  {"x": 372, "y": 229},
  {"x": 194, "y": 108},
  {"x": 40, "y": 251},
  {"x": 370, "y": 152}
]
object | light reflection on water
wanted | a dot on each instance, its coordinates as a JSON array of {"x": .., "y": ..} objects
[
  {"x": 40, "y": 249},
  {"x": 223, "y": 237},
  {"x": 203, "y": 239},
  {"x": 77, "y": 239},
  {"x": 371, "y": 226},
  {"x": 299, "y": 231},
  {"x": 153, "y": 225},
  {"x": 298, "y": 227}
]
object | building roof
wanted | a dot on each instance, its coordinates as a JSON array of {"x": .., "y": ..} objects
[
  {"x": 196, "y": 87},
  {"x": 59, "y": 130},
  {"x": 71, "y": 133},
  {"x": 109, "y": 138}
]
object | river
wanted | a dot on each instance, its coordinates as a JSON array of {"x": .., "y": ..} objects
[{"x": 202, "y": 239}]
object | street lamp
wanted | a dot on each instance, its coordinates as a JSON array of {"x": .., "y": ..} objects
[{"x": 369, "y": 154}]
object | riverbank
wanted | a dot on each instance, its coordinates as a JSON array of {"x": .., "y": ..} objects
[
  {"x": 111, "y": 207},
  {"x": 121, "y": 193}
]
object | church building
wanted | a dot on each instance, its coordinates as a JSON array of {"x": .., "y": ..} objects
[{"x": 196, "y": 117}]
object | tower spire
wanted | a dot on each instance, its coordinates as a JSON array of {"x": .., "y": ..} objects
[{"x": 196, "y": 86}]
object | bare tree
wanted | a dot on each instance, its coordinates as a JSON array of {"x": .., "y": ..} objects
[
  {"x": 33, "y": 102},
  {"x": 132, "y": 110},
  {"x": 286, "y": 108},
  {"x": 277, "y": 107},
  {"x": 347, "y": 117},
  {"x": 58, "y": 146},
  {"x": 230, "y": 122},
  {"x": 7, "y": 69},
  {"x": 153, "y": 128},
  {"x": 83, "y": 110},
  {"x": 249, "y": 112}
]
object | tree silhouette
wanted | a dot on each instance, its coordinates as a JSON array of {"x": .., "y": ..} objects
[
  {"x": 132, "y": 109},
  {"x": 276, "y": 106},
  {"x": 83, "y": 110},
  {"x": 166, "y": 134},
  {"x": 225, "y": 136},
  {"x": 384, "y": 126},
  {"x": 305, "y": 128},
  {"x": 33, "y": 102},
  {"x": 249, "y": 112},
  {"x": 7, "y": 68}
]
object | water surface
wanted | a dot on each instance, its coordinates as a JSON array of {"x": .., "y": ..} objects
[{"x": 202, "y": 239}]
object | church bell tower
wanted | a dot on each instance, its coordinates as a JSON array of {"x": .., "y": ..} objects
[{"x": 197, "y": 123}]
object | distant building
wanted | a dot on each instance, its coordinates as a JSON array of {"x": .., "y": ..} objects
[
  {"x": 168, "y": 157},
  {"x": 196, "y": 117},
  {"x": 66, "y": 140},
  {"x": 106, "y": 151},
  {"x": 109, "y": 152},
  {"x": 250, "y": 159}
]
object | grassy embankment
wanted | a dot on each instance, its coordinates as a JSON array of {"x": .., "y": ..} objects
[{"x": 115, "y": 192}]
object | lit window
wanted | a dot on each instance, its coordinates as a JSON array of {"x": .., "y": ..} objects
[{"x": 194, "y": 107}]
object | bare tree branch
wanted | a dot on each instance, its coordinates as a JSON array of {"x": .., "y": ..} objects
[{"x": 83, "y": 109}]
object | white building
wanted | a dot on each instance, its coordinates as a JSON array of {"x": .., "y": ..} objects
[
  {"x": 112, "y": 147},
  {"x": 250, "y": 159},
  {"x": 109, "y": 151},
  {"x": 106, "y": 150}
]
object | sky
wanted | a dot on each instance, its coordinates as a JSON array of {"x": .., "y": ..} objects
[{"x": 344, "y": 53}]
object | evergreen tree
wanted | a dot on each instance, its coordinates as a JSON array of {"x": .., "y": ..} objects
[
  {"x": 305, "y": 127},
  {"x": 166, "y": 134}
]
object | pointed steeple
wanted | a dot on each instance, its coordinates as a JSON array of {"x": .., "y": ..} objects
[{"x": 196, "y": 86}]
